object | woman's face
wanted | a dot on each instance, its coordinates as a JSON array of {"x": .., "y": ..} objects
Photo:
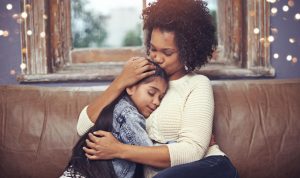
[
  {"x": 163, "y": 50},
  {"x": 147, "y": 96}
]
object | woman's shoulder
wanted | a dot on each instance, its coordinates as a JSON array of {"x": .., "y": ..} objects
[{"x": 197, "y": 79}]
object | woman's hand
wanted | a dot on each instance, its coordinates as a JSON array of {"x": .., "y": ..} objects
[
  {"x": 102, "y": 145},
  {"x": 135, "y": 69}
]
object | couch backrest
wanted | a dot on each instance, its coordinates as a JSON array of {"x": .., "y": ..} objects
[
  {"x": 38, "y": 129},
  {"x": 257, "y": 123}
]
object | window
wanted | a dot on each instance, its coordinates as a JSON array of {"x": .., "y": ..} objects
[{"x": 48, "y": 54}]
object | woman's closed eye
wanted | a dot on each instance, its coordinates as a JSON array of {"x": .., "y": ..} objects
[
  {"x": 152, "y": 49},
  {"x": 168, "y": 53}
]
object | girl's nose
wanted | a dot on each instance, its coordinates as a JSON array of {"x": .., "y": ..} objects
[{"x": 156, "y": 101}]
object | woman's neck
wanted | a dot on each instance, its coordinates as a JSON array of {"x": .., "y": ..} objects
[{"x": 178, "y": 75}]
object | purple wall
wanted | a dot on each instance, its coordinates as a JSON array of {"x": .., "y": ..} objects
[
  {"x": 284, "y": 22},
  {"x": 287, "y": 28},
  {"x": 10, "y": 47}
]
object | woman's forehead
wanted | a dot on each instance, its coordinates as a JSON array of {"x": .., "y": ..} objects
[{"x": 162, "y": 39}]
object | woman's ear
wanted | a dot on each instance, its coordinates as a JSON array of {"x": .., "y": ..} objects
[{"x": 130, "y": 90}]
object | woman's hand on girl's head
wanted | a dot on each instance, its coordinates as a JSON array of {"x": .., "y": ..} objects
[
  {"x": 135, "y": 69},
  {"x": 102, "y": 145}
]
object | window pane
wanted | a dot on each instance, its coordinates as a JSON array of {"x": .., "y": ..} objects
[{"x": 99, "y": 23}]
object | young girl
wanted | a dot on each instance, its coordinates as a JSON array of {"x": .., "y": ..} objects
[{"x": 125, "y": 118}]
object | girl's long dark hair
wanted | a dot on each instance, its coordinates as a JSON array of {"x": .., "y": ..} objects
[
  {"x": 94, "y": 168},
  {"x": 102, "y": 168}
]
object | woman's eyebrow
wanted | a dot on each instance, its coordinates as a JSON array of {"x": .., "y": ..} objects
[{"x": 163, "y": 49}]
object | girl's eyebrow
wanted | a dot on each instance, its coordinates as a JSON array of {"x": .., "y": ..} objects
[{"x": 154, "y": 88}]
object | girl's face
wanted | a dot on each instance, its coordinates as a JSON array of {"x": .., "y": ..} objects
[
  {"x": 147, "y": 96},
  {"x": 163, "y": 51}
]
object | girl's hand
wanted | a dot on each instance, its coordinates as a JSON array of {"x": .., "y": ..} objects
[
  {"x": 102, "y": 145},
  {"x": 135, "y": 69}
]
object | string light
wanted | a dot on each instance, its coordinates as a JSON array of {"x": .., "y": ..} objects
[
  {"x": 271, "y": 38},
  {"x": 29, "y": 32},
  {"x": 15, "y": 16},
  {"x": 297, "y": 16},
  {"x": 1, "y": 32},
  {"x": 292, "y": 40},
  {"x": 289, "y": 57},
  {"x": 271, "y": 1},
  {"x": 5, "y": 33},
  {"x": 256, "y": 30},
  {"x": 28, "y": 6},
  {"x": 12, "y": 72},
  {"x": 42, "y": 34},
  {"x": 285, "y": 8},
  {"x": 274, "y": 10},
  {"x": 24, "y": 50},
  {"x": 276, "y": 56},
  {"x": 23, "y": 66},
  {"x": 291, "y": 3},
  {"x": 24, "y": 15},
  {"x": 274, "y": 30},
  {"x": 294, "y": 60},
  {"x": 9, "y": 6},
  {"x": 262, "y": 39}
]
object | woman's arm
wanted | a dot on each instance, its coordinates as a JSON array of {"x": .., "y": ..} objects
[
  {"x": 106, "y": 146},
  {"x": 193, "y": 141}
]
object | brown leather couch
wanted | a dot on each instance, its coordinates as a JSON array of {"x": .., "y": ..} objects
[{"x": 257, "y": 123}]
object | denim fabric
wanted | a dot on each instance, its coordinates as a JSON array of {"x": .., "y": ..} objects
[
  {"x": 128, "y": 128},
  {"x": 209, "y": 167}
]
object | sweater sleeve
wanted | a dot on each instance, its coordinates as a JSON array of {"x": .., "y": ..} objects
[
  {"x": 197, "y": 120},
  {"x": 84, "y": 123}
]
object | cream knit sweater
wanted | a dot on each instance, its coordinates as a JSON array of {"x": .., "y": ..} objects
[{"x": 183, "y": 120}]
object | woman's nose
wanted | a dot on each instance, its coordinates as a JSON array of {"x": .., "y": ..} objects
[{"x": 157, "y": 58}]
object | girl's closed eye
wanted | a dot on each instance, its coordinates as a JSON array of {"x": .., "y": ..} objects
[{"x": 151, "y": 92}]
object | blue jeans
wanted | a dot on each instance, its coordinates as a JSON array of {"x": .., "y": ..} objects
[{"x": 209, "y": 167}]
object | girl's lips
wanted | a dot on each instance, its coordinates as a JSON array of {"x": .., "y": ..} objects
[{"x": 151, "y": 109}]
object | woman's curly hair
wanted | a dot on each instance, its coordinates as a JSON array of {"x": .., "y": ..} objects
[{"x": 192, "y": 24}]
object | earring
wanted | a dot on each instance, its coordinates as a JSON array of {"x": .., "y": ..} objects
[{"x": 186, "y": 68}]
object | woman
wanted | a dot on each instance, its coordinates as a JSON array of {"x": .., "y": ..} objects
[{"x": 180, "y": 38}]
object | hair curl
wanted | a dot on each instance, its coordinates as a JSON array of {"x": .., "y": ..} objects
[{"x": 192, "y": 24}]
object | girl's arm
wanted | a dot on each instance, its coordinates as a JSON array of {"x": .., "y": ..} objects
[
  {"x": 111, "y": 148},
  {"x": 134, "y": 70}
]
